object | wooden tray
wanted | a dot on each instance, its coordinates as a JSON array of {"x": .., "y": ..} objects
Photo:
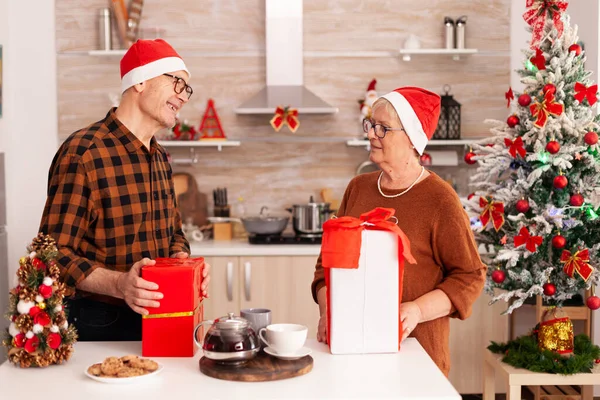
[{"x": 261, "y": 368}]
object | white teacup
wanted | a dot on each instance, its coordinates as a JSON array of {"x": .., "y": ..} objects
[{"x": 284, "y": 338}]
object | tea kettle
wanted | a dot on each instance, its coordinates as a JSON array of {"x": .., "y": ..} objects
[{"x": 230, "y": 339}]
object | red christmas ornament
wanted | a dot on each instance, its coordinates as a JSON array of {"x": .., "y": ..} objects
[
  {"x": 522, "y": 206},
  {"x": 591, "y": 138},
  {"x": 33, "y": 311},
  {"x": 513, "y": 121},
  {"x": 524, "y": 100},
  {"x": 38, "y": 264},
  {"x": 425, "y": 159},
  {"x": 42, "y": 318},
  {"x": 560, "y": 182},
  {"x": 498, "y": 276},
  {"x": 20, "y": 340},
  {"x": 549, "y": 88},
  {"x": 559, "y": 241},
  {"x": 45, "y": 291},
  {"x": 469, "y": 158},
  {"x": 576, "y": 200},
  {"x": 549, "y": 289},
  {"x": 553, "y": 147},
  {"x": 32, "y": 344},
  {"x": 597, "y": 361},
  {"x": 593, "y": 302},
  {"x": 576, "y": 48},
  {"x": 53, "y": 340}
]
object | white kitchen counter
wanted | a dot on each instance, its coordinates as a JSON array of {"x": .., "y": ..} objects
[
  {"x": 243, "y": 248},
  {"x": 409, "y": 374}
]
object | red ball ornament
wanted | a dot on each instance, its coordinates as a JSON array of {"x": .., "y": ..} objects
[
  {"x": 469, "y": 158},
  {"x": 513, "y": 121},
  {"x": 553, "y": 147},
  {"x": 33, "y": 311},
  {"x": 549, "y": 289},
  {"x": 425, "y": 159},
  {"x": 53, "y": 340},
  {"x": 597, "y": 361},
  {"x": 593, "y": 302},
  {"x": 591, "y": 138},
  {"x": 576, "y": 200},
  {"x": 524, "y": 100},
  {"x": 559, "y": 241},
  {"x": 42, "y": 318},
  {"x": 45, "y": 291},
  {"x": 560, "y": 182},
  {"x": 549, "y": 88},
  {"x": 20, "y": 340},
  {"x": 522, "y": 206},
  {"x": 576, "y": 48},
  {"x": 498, "y": 276},
  {"x": 32, "y": 344},
  {"x": 38, "y": 264}
]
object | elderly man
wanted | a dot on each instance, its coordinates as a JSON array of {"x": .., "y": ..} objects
[{"x": 111, "y": 203}]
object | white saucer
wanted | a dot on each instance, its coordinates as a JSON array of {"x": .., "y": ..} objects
[{"x": 303, "y": 352}]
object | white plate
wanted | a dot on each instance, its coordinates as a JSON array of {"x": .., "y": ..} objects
[
  {"x": 303, "y": 352},
  {"x": 131, "y": 379}
]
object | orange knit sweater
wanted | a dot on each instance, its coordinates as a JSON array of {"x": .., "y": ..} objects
[{"x": 441, "y": 241}]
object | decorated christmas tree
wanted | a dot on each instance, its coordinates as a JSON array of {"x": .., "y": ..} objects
[
  {"x": 39, "y": 334},
  {"x": 536, "y": 185}
]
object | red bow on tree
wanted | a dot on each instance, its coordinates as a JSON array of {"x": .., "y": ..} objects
[
  {"x": 509, "y": 96},
  {"x": 515, "y": 147},
  {"x": 537, "y": 13},
  {"x": 547, "y": 106},
  {"x": 285, "y": 116},
  {"x": 492, "y": 210},
  {"x": 538, "y": 60},
  {"x": 577, "y": 262},
  {"x": 530, "y": 242},
  {"x": 583, "y": 92}
]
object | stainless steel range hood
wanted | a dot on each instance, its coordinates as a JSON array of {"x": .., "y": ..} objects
[{"x": 285, "y": 69}]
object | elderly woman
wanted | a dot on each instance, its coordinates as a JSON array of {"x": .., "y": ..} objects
[{"x": 449, "y": 274}]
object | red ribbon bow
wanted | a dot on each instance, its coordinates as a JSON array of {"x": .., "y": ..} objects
[
  {"x": 583, "y": 92},
  {"x": 538, "y": 60},
  {"x": 509, "y": 96},
  {"x": 537, "y": 13},
  {"x": 547, "y": 106},
  {"x": 492, "y": 210},
  {"x": 515, "y": 147},
  {"x": 577, "y": 262},
  {"x": 285, "y": 116},
  {"x": 530, "y": 242}
]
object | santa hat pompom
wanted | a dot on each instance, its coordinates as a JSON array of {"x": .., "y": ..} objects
[
  {"x": 23, "y": 306},
  {"x": 54, "y": 329},
  {"x": 13, "y": 330},
  {"x": 37, "y": 328},
  {"x": 29, "y": 335},
  {"x": 48, "y": 281}
]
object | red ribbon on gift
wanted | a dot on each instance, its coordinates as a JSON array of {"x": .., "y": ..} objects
[
  {"x": 537, "y": 13},
  {"x": 492, "y": 211},
  {"x": 525, "y": 238},
  {"x": 582, "y": 92},
  {"x": 515, "y": 147},
  {"x": 285, "y": 116},
  {"x": 547, "y": 106},
  {"x": 342, "y": 239},
  {"x": 577, "y": 262}
]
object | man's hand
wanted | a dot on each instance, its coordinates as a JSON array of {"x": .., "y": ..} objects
[
  {"x": 410, "y": 315},
  {"x": 205, "y": 273},
  {"x": 137, "y": 292}
]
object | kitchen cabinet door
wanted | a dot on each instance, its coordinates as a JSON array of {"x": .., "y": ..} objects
[
  {"x": 223, "y": 288},
  {"x": 303, "y": 307}
]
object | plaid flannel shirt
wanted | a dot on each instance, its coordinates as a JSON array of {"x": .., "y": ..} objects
[{"x": 111, "y": 202}]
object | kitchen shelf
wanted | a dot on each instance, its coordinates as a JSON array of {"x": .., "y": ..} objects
[
  {"x": 219, "y": 144},
  {"x": 455, "y": 53},
  {"x": 458, "y": 142}
]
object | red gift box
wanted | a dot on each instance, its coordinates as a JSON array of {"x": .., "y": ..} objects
[{"x": 167, "y": 331}]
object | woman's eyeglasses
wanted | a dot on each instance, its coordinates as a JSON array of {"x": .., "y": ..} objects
[{"x": 380, "y": 130}]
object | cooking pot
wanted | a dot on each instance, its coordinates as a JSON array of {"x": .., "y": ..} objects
[
  {"x": 308, "y": 219},
  {"x": 263, "y": 224},
  {"x": 230, "y": 339}
]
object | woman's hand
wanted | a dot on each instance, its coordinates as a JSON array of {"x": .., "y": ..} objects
[
  {"x": 410, "y": 315},
  {"x": 322, "y": 329}
]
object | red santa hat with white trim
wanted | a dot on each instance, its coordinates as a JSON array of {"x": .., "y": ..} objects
[
  {"x": 147, "y": 59},
  {"x": 419, "y": 112}
]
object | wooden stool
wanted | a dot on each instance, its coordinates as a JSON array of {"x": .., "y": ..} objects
[{"x": 515, "y": 378}]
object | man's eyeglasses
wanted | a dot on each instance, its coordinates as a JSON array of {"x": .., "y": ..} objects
[
  {"x": 380, "y": 130},
  {"x": 181, "y": 85}
]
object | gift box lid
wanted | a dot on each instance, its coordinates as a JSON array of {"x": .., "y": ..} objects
[{"x": 179, "y": 280}]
